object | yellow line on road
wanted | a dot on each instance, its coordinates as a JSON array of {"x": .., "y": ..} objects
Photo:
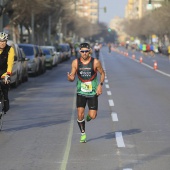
[{"x": 70, "y": 134}]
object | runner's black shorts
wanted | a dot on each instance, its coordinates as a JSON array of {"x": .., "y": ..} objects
[{"x": 91, "y": 101}]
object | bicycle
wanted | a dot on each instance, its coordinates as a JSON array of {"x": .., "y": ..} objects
[{"x": 1, "y": 106}]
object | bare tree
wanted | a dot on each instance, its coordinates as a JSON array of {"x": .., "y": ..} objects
[
  {"x": 35, "y": 15},
  {"x": 156, "y": 22}
]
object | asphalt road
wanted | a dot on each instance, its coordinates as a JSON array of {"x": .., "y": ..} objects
[{"x": 131, "y": 131}]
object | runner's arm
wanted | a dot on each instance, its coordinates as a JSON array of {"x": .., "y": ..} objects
[
  {"x": 100, "y": 70},
  {"x": 102, "y": 77},
  {"x": 72, "y": 74}
]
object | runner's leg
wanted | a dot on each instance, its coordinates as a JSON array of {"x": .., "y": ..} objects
[
  {"x": 80, "y": 119},
  {"x": 81, "y": 103},
  {"x": 93, "y": 107}
]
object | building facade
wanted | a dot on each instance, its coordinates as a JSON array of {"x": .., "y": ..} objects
[
  {"x": 136, "y": 9},
  {"x": 88, "y": 9}
]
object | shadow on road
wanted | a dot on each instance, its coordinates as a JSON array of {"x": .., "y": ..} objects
[
  {"x": 35, "y": 125},
  {"x": 111, "y": 135}
]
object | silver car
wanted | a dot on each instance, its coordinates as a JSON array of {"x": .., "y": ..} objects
[
  {"x": 24, "y": 62},
  {"x": 54, "y": 54},
  {"x": 34, "y": 61}
]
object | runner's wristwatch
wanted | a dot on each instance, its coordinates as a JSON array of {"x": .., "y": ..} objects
[{"x": 101, "y": 83}]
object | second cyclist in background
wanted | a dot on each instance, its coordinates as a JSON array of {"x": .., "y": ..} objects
[
  {"x": 97, "y": 50},
  {"x": 109, "y": 46},
  {"x": 76, "y": 50}
]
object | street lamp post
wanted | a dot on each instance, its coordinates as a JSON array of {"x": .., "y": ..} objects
[
  {"x": 98, "y": 9},
  {"x": 49, "y": 29},
  {"x": 1, "y": 17},
  {"x": 32, "y": 27},
  {"x": 104, "y": 9},
  {"x": 75, "y": 3}
]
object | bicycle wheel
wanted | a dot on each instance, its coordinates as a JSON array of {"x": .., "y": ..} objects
[
  {"x": 1, "y": 120},
  {"x": 1, "y": 112}
]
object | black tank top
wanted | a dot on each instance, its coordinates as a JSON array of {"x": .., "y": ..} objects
[{"x": 86, "y": 72}]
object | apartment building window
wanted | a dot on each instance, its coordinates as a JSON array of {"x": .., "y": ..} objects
[
  {"x": 80, "y": 1},
  {"x": 94, "y": 7},
  {"x": 94, "y": 14},
  {"x": 86, "y": 14}
]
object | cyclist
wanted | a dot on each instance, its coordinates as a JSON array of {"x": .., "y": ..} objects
[
  {"x": 109, "y": 46},
  {"x": 76, "y": 49},
  {"x": 6, "y": 64},
  {"x": 88, "y": 88},
  {"x": 97, "y": 50}
]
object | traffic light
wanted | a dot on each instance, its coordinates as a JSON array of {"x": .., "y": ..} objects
[
  {"x": 109, "y": 29},
  {"x": 105, "y": 9},
  {"x": 149, "y": 5},
  {"x": 150, "y": 2}
]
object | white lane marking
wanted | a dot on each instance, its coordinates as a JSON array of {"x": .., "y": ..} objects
[
  {"x": 151, "y": 67},
  {"x": 106, "y": 81},
  {"x": 70, "y": 134},
  {"x": 127, "y": 169},
  {"x": 119, "y": 140},
  {"x": 107, "y": 86},
  {"x": 111, "y": 103},
  {"x": 105, "y": 77},
  {"x": 114, "y": 117},
  {"x": 163, "y": 73},
  {"x": 147, "y": 65},
  {"x": 109, "y": 93}
]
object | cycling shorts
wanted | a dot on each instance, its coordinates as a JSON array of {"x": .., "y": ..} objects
[{"x": 91, "y": 101}]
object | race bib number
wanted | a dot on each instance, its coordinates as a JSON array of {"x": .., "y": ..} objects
[{"x": 86, "y": 86}]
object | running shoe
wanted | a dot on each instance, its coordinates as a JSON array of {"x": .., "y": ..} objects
[
  {"x": 83, "y": 138},
  {"x": 88, "y": 118}
]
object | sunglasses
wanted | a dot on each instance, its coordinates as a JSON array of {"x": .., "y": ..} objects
[{"x": 84, "y": 51}]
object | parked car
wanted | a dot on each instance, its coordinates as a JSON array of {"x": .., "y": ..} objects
[
  {"x": 61, "y": 53},
  {"x": 48, "y": 57},
  {"x": 16, "y": 76},
  {"x": 53, "y": 53},
  {"x": 34, "y": 61},
  {"x": 41, "y": 57},
  {"x": 66, "y": 50},
  {"x": 24, "y": 61}
]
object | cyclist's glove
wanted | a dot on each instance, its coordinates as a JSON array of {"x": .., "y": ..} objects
[{"x": 7, "y": 79}]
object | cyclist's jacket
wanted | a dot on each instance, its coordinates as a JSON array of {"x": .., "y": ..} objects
[
  {"x": 87, "y": 78},
  {"x": 6, "y": 60}
]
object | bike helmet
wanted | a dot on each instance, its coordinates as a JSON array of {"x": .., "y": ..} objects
[{"x": 3, "y": 36}]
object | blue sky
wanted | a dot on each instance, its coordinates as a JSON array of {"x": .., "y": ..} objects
[{"x": 114, "y": 8}]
